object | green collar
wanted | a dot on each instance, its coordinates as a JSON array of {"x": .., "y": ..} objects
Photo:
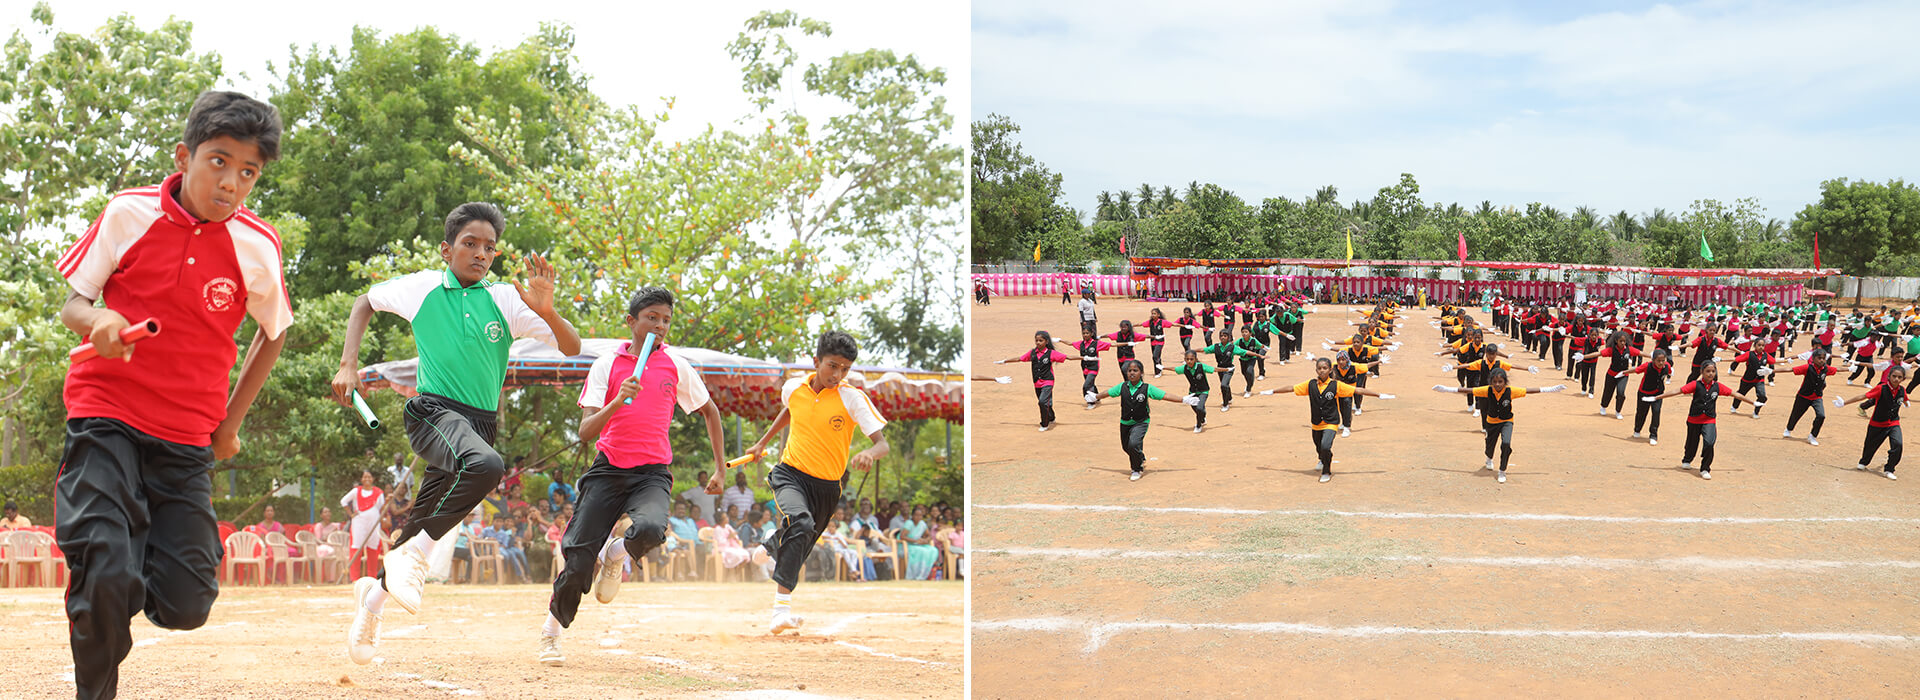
[{"x": 449, "y": 281}]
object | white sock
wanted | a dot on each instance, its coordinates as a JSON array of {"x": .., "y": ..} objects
[
  {"x": 375, "y": 600},
  {"x": 615, "y": 549},
  {"x": 552, "y": 628},
  {"x": 423, "y": 543},
  {"x": 782, "y": 603}
]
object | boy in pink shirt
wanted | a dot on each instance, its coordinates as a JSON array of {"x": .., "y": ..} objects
[{"x": 630, "y": 475}]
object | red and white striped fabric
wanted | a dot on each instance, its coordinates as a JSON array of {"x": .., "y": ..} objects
[{"x": 1049, "y": 283}]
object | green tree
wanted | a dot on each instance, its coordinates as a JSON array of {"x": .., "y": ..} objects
[
  {"x": 368, "y": 136},
  {"x": 1014, "y": 194}
]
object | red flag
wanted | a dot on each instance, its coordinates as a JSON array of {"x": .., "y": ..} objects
[
  {"x": 1816, "y": 250},
  {"x": 1123, "y": 245},
  {"x": 1463, "y": 248}
]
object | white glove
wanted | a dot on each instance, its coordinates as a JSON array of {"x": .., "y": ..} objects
[
  {"x": 1268, "y": 392},
  {"x": 1447, "y": 389},
  {"x": 1764, "y": 371},
  {"x": 1649, "y": 399},
  {"x": 1003, "y": 380},
  {"x": 1533, "y": 369},
  {"x": 1092, "y": 397},
  {"x": 1191, "y": 400},
  {"x": 1446, "y": 367},
  {"x": 1839, "y": 402},
  {"x": 1326, "y": 346},
  {"x": 1310, "y": 357},
  {"x": 1385, "y": 396},
  {"x": 999, "y": 362},
  {"x": 1578, "y": 356},
  {"x": 1386, "y": 360},
  {"x": 1555, "y": 389}
]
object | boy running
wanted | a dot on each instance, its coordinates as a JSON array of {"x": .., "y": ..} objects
[
  {"x": 133, "y": 506},
  {"x": 463, "y": 326},
  {"x": 631, "y": 474},
  {"x": 823, "y": 412}
]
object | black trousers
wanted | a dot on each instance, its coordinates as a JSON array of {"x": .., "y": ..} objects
[
  {"x": 644, "y": 493},
  {"x": 1694, "y": 373},
  {"x": 1501, "y": 434},
  {"x": 1641, "y": 410},
  {"x": 1760, "y": 392},
  {"x": 134, "y": 517},
  {"x": 1045, "y": 394},
  {"x": 1559, "y": 347},
  {"x": 1226, "y": 390},
  {"x": 1133, "y": 439},
  {"x": 803, "y": 503},
  {"x": 1700, "y": 436},
  {"x": 1346, "y": 410},
  {"x": 1200, "y": 411},
  {"x": 1323, "y": 447},
  {"x": 1875, "y": 436},
  {"x": 1615, "y": 391},
  {"x": 1089, "y": 384},
  {"x": 1862, "y": 365},
  {"x": 1360, "y": 381},
  {"x": 456, "y": 440},
  {"x": 1800, "y": 406},
  {"x": 1246, "y": 370},
  {"x": 1157, "y": 365}
]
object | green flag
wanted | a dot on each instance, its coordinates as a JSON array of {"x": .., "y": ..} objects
[{"x": 1705, "y": 252}]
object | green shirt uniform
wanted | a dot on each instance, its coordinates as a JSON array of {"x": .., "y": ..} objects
[{"x": 462, "y": 333}]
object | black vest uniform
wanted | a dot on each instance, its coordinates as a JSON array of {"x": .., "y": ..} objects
[
  {"x": 1089, "y": 354},
  {"x": 1814, "y": 384},
  {"x": 1196, "y": 378},
  {"x": 1042, "y": 365},
  {"x": 1133, "y": 403},
  {"x": 1755, "y": 360},
  {"x": 1655, "y": 381},
  {"x": 1886, "y": 407},
  {"x": 1498, "y": 405},
  {"x": 1325, "y": 401},
  {"x": 1706, "y": 396}
]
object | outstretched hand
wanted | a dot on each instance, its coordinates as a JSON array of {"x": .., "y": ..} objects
[{"x": 537, "y": 290}]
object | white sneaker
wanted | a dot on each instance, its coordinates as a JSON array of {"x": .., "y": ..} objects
[
  {"x": 1755, "y": 414},
  {"x": 1196, "y": 430},
  {"x": 1246, "y": 394},
  {"x": 1044, "y": 428},
  {"x": 1223, "y": 409},
  {"x": 1814, "y": 441},
  {"x": 1502, "y": 477},
  {"x": 1489, "y": 464},
  {"x": 1133, "y": 477},
  {"x": 1861, "y": 467},
  {"x": 1357, "y": 411},
  {"x": 1476, "y": 413},
  {"x": 1344, "y": 432},
  {"x": 363, "y": 636},
  {"x": 1889, "y": 474},
  {"x": 1788, "y": 434},
  {"x": 1603, "y": 410},
  {"x": 607, "y": 584},
  {"x": 550, "y": 650},
  {"x": 407, "y": 575},
  {"x": 1325, "y": 477},
  {"x": 1706, "y": 474},
  {"x": 789, "y": 621},
  {"x": 1653, "y": 441},
  {"x": 1622, "y": 416},
  {"x": 1636, "y": 436}
]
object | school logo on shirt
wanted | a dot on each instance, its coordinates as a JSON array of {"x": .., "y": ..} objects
[
  {"x": 837, "y": 423},
  {"x": 219, "y": 294},
  {"x": 666, "y": 386},
  {"x": 494, "y": 332}
]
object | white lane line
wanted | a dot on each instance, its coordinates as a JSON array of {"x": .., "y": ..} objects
[
  {"x": 885, "y": 655},
  {"x": 150, "y": 641},
  {"x": 1099, "y": 633},
  {"x": 1707, "y": 563},
  {"x": 842, "y": 623},
  {"x": 404, "y": 631},
  {"x": 1391, "y": 515}
]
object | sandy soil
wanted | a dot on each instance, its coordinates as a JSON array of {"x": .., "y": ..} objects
[
  {"x": 883, "y": 640},
  {"x": 1267, "y": 582}
]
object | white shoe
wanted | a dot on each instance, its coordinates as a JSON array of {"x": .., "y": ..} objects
[
  {"x": 1755, "y": 414},
  {"x": 1622, "y": 416},
  {"x": 1636, "y": 436},
  {"x": 1814, "y": 441},
  {"x": 1488, "y": 465},
  {"x": 407, "y": 575},
  {"x": 1476, "y": 413},
  {"x": 1603, "y": 410},
  {"x": 1044, "y": 428},
  {"x": 1889, "y": 474},
  {"x": 1861, "y": 467},
  {"x": 1344, "y": 432},
  {"x": 1223, "y": 409},
  {"x": 1706, "y": 474},
  {"x": 1135, "y": 476},
  {"x": 1502, "y": 477},
  {"x": 1357, "y": 411},
  {"x": 550, "y": 650},
  {"x": 789, "y": 621},
  {"x": 1246, "y": 394},
  {"x": 1788, "y": 434},
  {"x": 1325, "y": 477},
  {"x": 1653, "y": 441},
  {"x": 607, "y": 584},
  {"x": 363, "y": 636},
  {"x": 1196, "y": 430}
]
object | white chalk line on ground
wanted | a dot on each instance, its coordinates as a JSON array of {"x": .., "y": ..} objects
[
  {"x": 842, "y": 623},
  {"x": 1706, "y": 563},
  {"x": 1099, "y": 633},
  {"x": 175, "y": 633},
  {"x": 1392, "y": 515},
  {"x": 436, "y": 685}
]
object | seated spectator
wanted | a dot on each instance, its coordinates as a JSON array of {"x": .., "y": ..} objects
[
  {"x": 899, "y": 516},
  {"x": 558, "y": 528},
  {"x": 531, "y": 530},
  {"x": 510, "y": 550},
  {"x": 561, "y": 488},
  {"x": 270, "y": 524},
  {"x": 393, "y": 516},
  {"x": 555, "y": 501},
  {"x": 953, "y": 538},
  {"x": 834, "y": 536},
  {"x": 325, "y": 525},
  {"x": 699, "y": 517},
  {"x": 682, "y": 531},
  {"x": 921, "y": 553},
  {"x": 727, "y": 545},
  {"x": 463, "y": 535},
  {"x": 866, "y": 516},
  {"x": 878, "y": 543},
  {"x": 14, "y": 520}
]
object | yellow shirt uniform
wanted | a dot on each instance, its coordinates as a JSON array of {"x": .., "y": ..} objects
[{"x": 821, "y": 425}]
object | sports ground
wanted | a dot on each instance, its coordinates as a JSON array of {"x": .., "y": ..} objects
[
  {"x": 679, "y": 640},
  {"x": 1599, "y": 569}
]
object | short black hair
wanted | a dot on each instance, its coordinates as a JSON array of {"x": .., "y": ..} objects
[
  {"x": 233, "y": 115},
  {"x": 11, "y": 506},
  {"x": 837, "y": 343},
  {"x": 471, "y": 212},
  {"x": 649, "y": 296}
]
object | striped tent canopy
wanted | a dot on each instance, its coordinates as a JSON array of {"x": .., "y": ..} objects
[{"x": 741, "y": 386}]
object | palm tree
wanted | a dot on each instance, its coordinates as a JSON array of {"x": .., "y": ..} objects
[
  {"x": 1104, "y": 210},
  {"x": 1167, "y": 199},
  {"x": 1145, "y": 205},
  {"x": 1123, "y": 206},
  {"x": 1327, "y": 195},
  {"x": 1193, "y": 189},
  {"x": 1659, "y": 216},
  {"x": 1456, "y": 211},
  {"x": 1486, "y": 208},
  {"x": 1624, "y": 226},
  {"x": 1584, "y": 217}
]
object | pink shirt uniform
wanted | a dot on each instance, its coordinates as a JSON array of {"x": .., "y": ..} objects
[
  {"x": 147, "y": 257},
  {"x": 636, "y": 434}
]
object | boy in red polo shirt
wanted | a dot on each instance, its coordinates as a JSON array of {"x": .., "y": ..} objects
[
  {"x": 630, "y": 474},
  {"x": 134, "y": 514},
  {"x": 824, "y": 412}
]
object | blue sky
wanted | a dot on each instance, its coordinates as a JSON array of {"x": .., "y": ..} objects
[{"x": 1613, "y": 105}]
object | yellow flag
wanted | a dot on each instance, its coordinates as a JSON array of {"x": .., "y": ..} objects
[
  {"x": 1349, "y": 245},
  {"x": 1036, "y": 251}
]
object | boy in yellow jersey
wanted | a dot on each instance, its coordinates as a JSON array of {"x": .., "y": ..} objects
[{"x": 823, "y": 412}]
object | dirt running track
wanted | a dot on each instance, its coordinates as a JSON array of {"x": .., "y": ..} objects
[
  {"x": 1599, "y": 569},
  {"x": 884, "y": 640}
]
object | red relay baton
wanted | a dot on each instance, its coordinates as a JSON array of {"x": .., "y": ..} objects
[{"x": 129, "y": 335}]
